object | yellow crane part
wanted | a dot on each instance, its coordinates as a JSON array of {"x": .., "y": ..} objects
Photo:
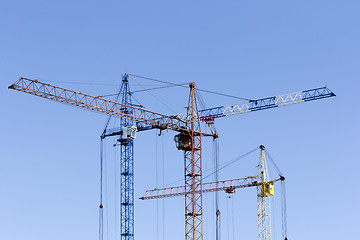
[{"x": 267, "y": 189}]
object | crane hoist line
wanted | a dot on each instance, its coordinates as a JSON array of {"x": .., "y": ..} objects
[{"x": 188, "y": 125}]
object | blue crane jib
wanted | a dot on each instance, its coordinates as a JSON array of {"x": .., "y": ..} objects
[{"x": 264, "y": 103}]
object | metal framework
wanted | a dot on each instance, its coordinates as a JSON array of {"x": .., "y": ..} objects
[
  {"x": 193, "y": 173},
  {"x": 187, "y": 124},
  {"x": 126, "y": 168},
  {"x": 98, "y": 104},
  {"x": 263, "y": 199},
  {"x": 227, "y": 186},
  {"x": 264, "y": 103}
]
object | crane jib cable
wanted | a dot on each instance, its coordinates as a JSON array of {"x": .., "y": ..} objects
[
  {"x": 231, "y": 162},
  {"x": 159, "y": 100},
  {"x": 143, "y": 90},
  {"x": 222, "y": 166},
  {"x": 203, "y": 90},
  {"x": 273, "y": 163},
  {"x": 109, "y": 117},
  {"x": 283, "y": 196}
]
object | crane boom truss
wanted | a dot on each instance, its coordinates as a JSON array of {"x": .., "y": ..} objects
[
  {"x": 193, "y": 172},
  {"x": 98, "y": 104},
  {"x": 264, "y": 103},
  {"x": 206, "y": 187},
  {"x": 263, "y": 199},
  {"x": 126, "y": 171}
]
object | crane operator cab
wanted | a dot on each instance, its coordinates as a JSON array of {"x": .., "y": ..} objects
[
  {"x": 129, "y": 133},
  {"x": 183, "y": 141}
]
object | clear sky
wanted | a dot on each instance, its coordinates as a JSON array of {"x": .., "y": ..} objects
[{"x": 49, "y": 152}]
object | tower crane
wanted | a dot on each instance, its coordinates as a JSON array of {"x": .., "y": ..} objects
[
  {"x": 264, "y": 187},
  {"x": 188, "y": 126}
]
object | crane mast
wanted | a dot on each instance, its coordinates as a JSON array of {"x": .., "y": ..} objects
[
  {"x": 126, "y": 167},
  {"x": 265, "y": 189},
  {"x": 193, "y": 170}
]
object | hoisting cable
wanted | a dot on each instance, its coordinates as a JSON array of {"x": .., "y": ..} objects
[
  {"x": 230, "y": 215},
  {"x": 101, "y": 213},
  {"x": 157, "y": 183},
  {"x": 105, "y": 194},
  {"x": 117, "y": 194},
  {"x": 212, "y": 92},
  {"x": 227, "y": 218},
  {"x": 233, "y": 218},
  {"x": 216, "y": 176},
  {"x": 283, "y": 210},
  {"x": 283, "y": 197},
  {"x": 163, "y": 182}
]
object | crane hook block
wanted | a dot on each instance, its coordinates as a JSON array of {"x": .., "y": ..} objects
[{"x": 101, "y": 206}]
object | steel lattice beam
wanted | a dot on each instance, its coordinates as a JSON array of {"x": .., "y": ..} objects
[
  {"x": 264, "y": 103},
  {"x": 126, "y": 170},
  {"x": 227, "y": 185},
  {"x": 193, "y": 173},
  {"x": 98, "y": 104}
]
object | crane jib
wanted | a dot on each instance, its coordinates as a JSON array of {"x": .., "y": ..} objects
[
  {"x": 266, "y": 103},
  {"x": 98, "y": 104}
]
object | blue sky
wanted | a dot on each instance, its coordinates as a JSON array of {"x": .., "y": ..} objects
[{"x": 49, "y": 154}]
